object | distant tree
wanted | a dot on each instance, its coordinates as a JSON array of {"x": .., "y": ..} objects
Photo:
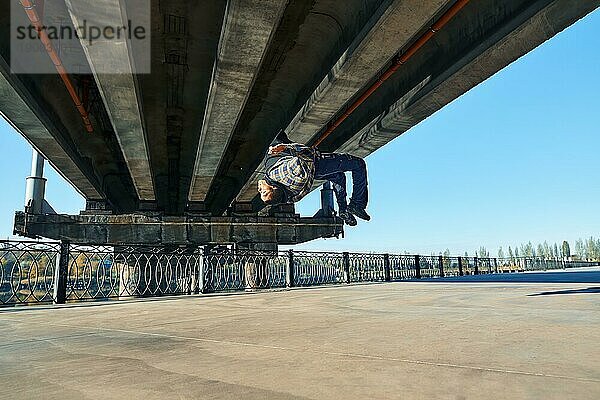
[
  {"x": 555, "y": 250},
  {"x": 566, "y": 249},
  {"x": 447, "y": 253},
  {"x": 547, "y": 250},
  {"x": 591, "y": 250},
  {"x": 580, "y": 248},
  {"x": 517, "y": 252},
  {"x": 482, "y": 252},
  {"x": 587, "y": 251},
  {"x": 510, "y": 253},
  {"x": 501, "y": 252},
  {"x": 527, "y": 250},
  {"x": 540, "y": 251},
  {"x": 466, "y": 254}
]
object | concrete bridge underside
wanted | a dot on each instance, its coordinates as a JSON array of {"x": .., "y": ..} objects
[{"x": 187, "y": 139}]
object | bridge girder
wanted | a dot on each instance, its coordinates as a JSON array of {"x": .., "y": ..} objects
[{"x": 193, "y": 138}]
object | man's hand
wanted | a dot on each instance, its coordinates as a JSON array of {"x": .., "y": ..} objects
[{"x": 277, "y": 149}]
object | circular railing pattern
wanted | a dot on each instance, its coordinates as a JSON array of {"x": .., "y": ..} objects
[
  {"x": 312, "y": 269},
  {"x": 28, "y": 270}
]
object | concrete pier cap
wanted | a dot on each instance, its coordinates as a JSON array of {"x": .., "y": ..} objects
[{"x": 158, "y": 230}]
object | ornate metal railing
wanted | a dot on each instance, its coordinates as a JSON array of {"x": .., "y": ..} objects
[
  {"x": 27, "y": 272},
  {"x": 44, "y": 272},
  {"x": 95, "y": 272}
]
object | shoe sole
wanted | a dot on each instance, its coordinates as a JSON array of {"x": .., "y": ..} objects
[
  {"x": 351, "y": 211},
  {"x": 350, "y": 223}
]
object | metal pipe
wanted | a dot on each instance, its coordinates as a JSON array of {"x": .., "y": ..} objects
[
  {"x": 35, "y": 186},
  {"x": 35, "y": 20},
  {"x": 37, "y": 165},
  {"x": 400, "y": 59},
  {"x": 327, "y": 200}
]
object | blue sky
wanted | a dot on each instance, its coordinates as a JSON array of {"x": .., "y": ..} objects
[{"x": 511, "y": 161}]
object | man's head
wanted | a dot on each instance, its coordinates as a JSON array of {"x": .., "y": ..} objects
[{"x": 270, "y": 194}]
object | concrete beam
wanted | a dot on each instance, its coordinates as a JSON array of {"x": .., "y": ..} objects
[
  {"x": 307, "y": 43},
  {"x": 119, "y": 89},
  {"x": 368, "y": 55},
  {"x": 22, "y": 115},
  {"x": 494, "y": 50},
  {"x": 245, "y": 36},
  {"x": 372, "y": 49},
  {"x": 517, "y": 38},
  {"x": 184, "y": 48},
  {"x": 162, "y": 230}
]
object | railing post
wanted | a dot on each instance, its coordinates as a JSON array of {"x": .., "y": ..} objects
[
  {"x": 476, "y": 266},
  {"x": 289, "y": 269},
  {"x": 191, "y": 263},
  {"x": 386, "y": 267},
  {"x": 197, "y": 270},
  {"x": 460, "y": 268},
  {"x": 60, "y": 274},
  {"x": 417, "y": 267},
  {"x": 441, "y": 265},
  {"x": 207, "y": 271},
  {"x": 190, "y": 280},
  {"x": 495, "y": 265},
  {"x": 346, "y": 264}
]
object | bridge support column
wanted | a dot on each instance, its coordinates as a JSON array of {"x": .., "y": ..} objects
[
  {"x": 256, "y": 266},
  {"x": 35, "y": 185},
  {"x": 327, "y": 206}
]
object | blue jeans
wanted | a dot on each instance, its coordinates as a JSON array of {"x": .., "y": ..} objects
[{"x": 332, "y": 166}]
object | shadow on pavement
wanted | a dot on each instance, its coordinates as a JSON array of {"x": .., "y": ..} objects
[
  {"x": 569, "y": 291},
  {"x": 592, "y": 276}
]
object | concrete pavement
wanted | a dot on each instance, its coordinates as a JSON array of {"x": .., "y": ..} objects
[{"x": 417, "y": 340}]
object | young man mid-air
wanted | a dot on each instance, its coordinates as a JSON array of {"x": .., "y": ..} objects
[{"x": 291, "y": 168}]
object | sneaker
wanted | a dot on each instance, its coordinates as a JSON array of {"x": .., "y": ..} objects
[
  {"x": 348, "y": 218},
  {"x": 359, "y": 212}
]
